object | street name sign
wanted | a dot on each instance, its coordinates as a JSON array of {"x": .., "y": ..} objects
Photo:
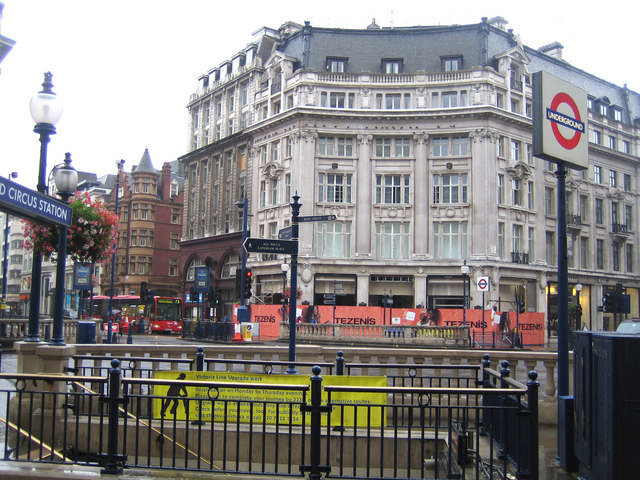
[
  {"x": 285, "y": 233},
  {"x": 317, "y": 218},
  {"x": 267, "y": 245},
  {"x": 25, "y": 203}
]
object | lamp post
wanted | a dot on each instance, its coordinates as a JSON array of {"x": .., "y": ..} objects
[
  {"x": 66, "y": 179},
  {"x": 243, "y": 313},
  {"x": 284, "y": 266},
  {"x": 5, "y": 261},
  {"x": 464, "y": 269},
  {"x": 46, "y": 110},
  {"x": 119, "y": 165}
]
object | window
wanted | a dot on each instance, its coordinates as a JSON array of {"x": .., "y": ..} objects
[
  {"x": 595, "y": 137},
  {"x": 450, "y": 240},
  {"x": 173, "y": 242},
  {"x": 617, "y": 114},
  {"x": 597, "y": 173},
  {"x": 531, "y": 241},
  {"x": 549, "y": 204},
  {"x": 390, "y": 101},
  {"x": 611, "y": 142},
  {"x": 337, "y": 65},
  {"x": 599, "y": 211},
  {"x": 392, "y": 189},
  {"x": 628, "y": 217},
  {"x": 604, "y": 110},
  {"x": 500, "y": 146},
  {"x": 143, "y": 238},
  {"x": 460, "y": 146},
  {"x": 275, "y": 151},
  {"x": 450, "y": 64},
  {"x": 627, "y": 182},
  {"x": 449, "y": 99},
  {"x": 584, "y": 252},
  {"x": 629, "y": 257},
  {"x": 626, "y": 148},
  {"x": 345, "y": 147},
  {"x": 600, "y": 254},
  {"x": 515, "y": 150},
  {"x": 173, "y": 267},
  {"x": 392, "y": 240},
  {"x": 134, "y": 238},
  {"x": 500, "y": 189},
  {"x": 440, "y": 147},
  {"x": 516, "y": 238},
  {"x": 501, "y": 239},
  {"x": 584, "y": 208},
  {"x": 175, "y": 215},
  {"x": 336, "y": 100},
  {"x": 391, "y": 66},
  {"x": 334, "y": 187},
  {"x": 516, "y": 192},
  {"x": 613, "y": 178},
  {"x": 550, "y": 248},
  {"x": 383, "y": 147},
  {"x": 530, "y": 195},
  {"x": 274, "y": 191},
  {"x": 402, "y": 147},
  {"x": 615, "y": 251},
  {"x": 325, "y": 145},
  {"x": 287, "y": 187},
  {"x": 334, "y": 239},
  {"x": 450, "y": 188}
]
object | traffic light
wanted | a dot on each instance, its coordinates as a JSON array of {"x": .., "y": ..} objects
[
  {"x": 579, "y": 311},
  {"x": 609, "y": 302},
  {"x": 144, "y": 292},
  {"x": 213, "y": 297},
  {"x": 248, "y": 275}
]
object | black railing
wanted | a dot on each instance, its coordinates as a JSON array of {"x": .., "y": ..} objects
[
  {"x": 574, "y": 220},
  {"x": 473, "y": 424},
  {"x": 619, "y": 228},
  {"x": 520, "y": 257}
]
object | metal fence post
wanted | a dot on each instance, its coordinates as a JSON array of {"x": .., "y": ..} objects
[
  {"x": 315, "y": 409},
  {"x": 504, "y": 373},
  {"x": 340, "y": 363},
  {"x": 112, "y": 461},
  {"x": 200, "y": 359},
  {"x": 486, "y": 363},
  {"x": 532, "y": 403}
]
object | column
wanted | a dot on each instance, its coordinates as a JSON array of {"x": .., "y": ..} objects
[
  {"x": 363, "y": 197},
  {"x": 421, "y": 198}
]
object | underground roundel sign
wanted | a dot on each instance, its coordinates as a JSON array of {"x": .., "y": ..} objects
[{"x": 559, "y": 121}]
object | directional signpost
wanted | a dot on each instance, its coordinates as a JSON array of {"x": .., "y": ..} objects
[
  {"x": 267, "y": 245},
  {"x": 285, "y": 233}
]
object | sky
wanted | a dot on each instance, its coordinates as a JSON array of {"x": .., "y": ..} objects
[{"x": 124, "y": 69}]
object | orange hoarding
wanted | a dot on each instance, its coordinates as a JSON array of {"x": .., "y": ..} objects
[{"x": 531, "y": 325}]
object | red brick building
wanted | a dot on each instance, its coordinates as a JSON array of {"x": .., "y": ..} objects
[{"x": 150, "y": 212}]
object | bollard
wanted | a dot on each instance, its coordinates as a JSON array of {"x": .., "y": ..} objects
[
  {"x": 130, "y": 334},
  {"x": 47, "y": 333},
  {"x": 200, "y": 359},
  {"x": 112, "y": 462},
  {"x": 340, "y": 363}
]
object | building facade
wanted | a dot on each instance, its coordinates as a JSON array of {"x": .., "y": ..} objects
[
  {"x": 149, "y": 228},
  {"x": 419, "y": 141}
]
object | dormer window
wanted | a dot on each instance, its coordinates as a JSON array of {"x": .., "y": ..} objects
[
  {"x": 391, "y": 65},
  {"x": 451, "y": 64},
  {"x": 337, "y": 65}
]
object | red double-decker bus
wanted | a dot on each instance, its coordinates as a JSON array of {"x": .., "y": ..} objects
[{"x": 161, "y": 315}]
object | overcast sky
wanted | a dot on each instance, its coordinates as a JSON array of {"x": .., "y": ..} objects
[{"x": 125, "y": 68}]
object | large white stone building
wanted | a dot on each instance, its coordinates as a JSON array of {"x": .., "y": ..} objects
[{"x": 419, "y": 140}]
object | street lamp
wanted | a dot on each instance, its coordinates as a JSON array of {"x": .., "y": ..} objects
[
  {"x": 66, "y": 180},
  {"x": 119, "y": 166},
  {"x": 5, "y": 262},
  {"x": 46, "y": 110},
  {"x": 284, "y": 266},
  {"x": 243, "y": 313},
  {"x": 464, "y": 269}
]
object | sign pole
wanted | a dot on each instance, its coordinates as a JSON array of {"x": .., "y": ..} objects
[
  {"x": 563, "y": 286},
  {"x": 295, "y": 230}
]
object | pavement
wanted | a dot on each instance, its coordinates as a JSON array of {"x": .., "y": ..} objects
[{"x": 549, "y": 470}]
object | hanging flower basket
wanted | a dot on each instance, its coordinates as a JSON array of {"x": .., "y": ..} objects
[{"x": 91, "y": 238}]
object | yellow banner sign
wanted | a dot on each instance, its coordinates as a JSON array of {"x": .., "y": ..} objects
[{"x": 260, "y": 405}]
